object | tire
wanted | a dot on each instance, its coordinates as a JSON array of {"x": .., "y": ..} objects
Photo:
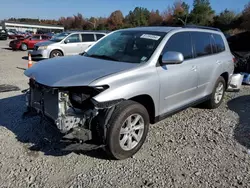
[
  {"x": 114, "y": 138},
  {"x": 24, "y": 47},
  {"x": 56, "y": 53},
  {"x": 212, "y": 103}
]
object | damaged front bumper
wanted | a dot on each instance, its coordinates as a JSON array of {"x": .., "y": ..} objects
[{"x": 57, "y": 105}]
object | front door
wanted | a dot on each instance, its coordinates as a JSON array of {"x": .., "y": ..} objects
[
  {"x": 33, "y": 40},
  {"x": 178, "y": 82},
  {"x": 72, "y": 45}
]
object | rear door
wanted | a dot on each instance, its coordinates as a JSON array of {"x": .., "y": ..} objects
[
  {"x": 178, "y": 82},
  {"x": 87, "y": 40},
  {"x": 207, "y": 60},
  {"x": 72, "y": 44}
]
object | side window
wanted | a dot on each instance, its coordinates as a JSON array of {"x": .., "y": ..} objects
[
  {"x": 44, "y": 37},
  {"x": 213, "y": 43},
  {"x": 74, "y": 38},
  {"x": 37, "y": 37},
  {"x": 99, "y": 36},
  {"x": 202, "y": 43},
  {"x": 88, "y": 38},
  {"x": 219, "y": 43},
  {"x": 180, "y": 42}
]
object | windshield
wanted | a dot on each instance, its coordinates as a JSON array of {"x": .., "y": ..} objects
[
  {"x": 59, "y": 37},
  {"x": 127, "y": 46}
]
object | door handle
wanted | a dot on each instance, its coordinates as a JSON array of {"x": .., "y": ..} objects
[{"x": 194, "y": 68}]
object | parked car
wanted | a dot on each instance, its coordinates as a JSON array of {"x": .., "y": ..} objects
[
  {"x": 17, "y": 35},
  {"x": 64, "y": 44},
  {"x": 130, "y": 78},
  {"x": 240, "y": 48},
  {"x": 27, "y": 42},
  {"x": 3, "y": 34}
]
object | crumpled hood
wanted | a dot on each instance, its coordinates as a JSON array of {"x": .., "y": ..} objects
[
  {"x": 74, "y": 70},
  {"x": 45, "y": 43}
]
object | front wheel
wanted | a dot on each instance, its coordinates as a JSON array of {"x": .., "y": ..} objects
[
  {"x": 217, "y": 95},
  {"x": 56, "y": 53},
  {"x": 24, "y": 47},
  {"x": 127, "y": 131}
]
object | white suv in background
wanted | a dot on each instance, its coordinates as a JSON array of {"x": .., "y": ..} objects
[{"x": 64, "y": 44}]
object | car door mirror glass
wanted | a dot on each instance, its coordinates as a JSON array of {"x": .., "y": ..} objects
[{"x": 172, "y": 58}]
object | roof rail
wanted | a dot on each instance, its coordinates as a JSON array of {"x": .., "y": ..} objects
[{"x": 201, "y": 27}]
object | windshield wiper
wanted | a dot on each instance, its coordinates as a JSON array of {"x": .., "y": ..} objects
[{"x": 103, "y": 57}]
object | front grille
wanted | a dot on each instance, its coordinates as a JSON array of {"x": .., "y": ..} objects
[{"x": 47, "y": 97}]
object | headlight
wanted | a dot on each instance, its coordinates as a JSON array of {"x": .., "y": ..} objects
[{"x": 42, "y": 47}]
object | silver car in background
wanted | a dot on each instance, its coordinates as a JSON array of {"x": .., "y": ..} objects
[{"x": 65, "y": 44}]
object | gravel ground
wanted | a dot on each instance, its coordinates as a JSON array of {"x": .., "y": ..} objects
[{"x": 194, "y": 148}]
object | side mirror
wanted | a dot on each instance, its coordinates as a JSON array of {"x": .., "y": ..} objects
[
  {"x": 66, "y": 41},
  {"x": 172, "y": 58}
]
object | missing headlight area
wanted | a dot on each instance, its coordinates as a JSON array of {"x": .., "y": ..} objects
[{"x": 71, "y": 109}]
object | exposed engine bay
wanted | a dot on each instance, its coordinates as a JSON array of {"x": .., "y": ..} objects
[{"x": 71, "y": 109}]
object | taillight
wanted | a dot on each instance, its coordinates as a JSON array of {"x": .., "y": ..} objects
[{"x": 234, "y": 60}]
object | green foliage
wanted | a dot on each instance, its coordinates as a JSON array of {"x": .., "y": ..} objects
[
  {"x": 226, "y": 20},
  {"x": 245, "y": 17},
  {"x": 202, "y": 13},
  {"x": 138, "y": 17}
]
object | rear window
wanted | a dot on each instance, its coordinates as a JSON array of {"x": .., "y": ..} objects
[
  {"x": 219, "y": 43},
  {"x": 99, "y": 36},
  {"x": 88, "y": 38},
  {"x": 202, "y": 43}
]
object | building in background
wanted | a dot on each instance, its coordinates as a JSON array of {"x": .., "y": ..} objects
[{"x": 35, "y": 28}]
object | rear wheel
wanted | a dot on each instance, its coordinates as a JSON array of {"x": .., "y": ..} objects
[
  {"x": 127, "y": 131},
  {"x": 56, "y": 53},
  {"x": 217, "y": 95},
  {"x": 24, "y": 47}
]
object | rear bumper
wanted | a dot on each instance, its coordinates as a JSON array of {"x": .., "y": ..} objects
[{"x": 39, "y": 54}]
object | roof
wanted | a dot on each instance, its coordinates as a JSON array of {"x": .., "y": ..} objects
[
  {"x": 31, "y": 24},
  {"x": 168, "y": 29},
  {"x": 97, "y": 32},
  {"x": 154, "y": 28}
]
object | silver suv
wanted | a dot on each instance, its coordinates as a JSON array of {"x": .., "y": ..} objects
[
  {"x": 64, "y": 44},
  {"x": 129, "y": 79}
]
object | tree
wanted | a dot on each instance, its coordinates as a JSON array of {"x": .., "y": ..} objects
[
  {"x": 138, "y": 17},
  {"x": 168, "y": 17},
  {"x": 180, "y": 13},
  {"x": 78, "y": 21},
  {"x": 115, "y": 21},
  {"x": 225, "y": 20},
  {"x": 155, "y": 18},
  {"x": 202, "y": 13},
  {"x": 245, "y": 17}
]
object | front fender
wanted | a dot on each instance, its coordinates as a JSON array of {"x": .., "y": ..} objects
[{"x": 141, "y": 85}]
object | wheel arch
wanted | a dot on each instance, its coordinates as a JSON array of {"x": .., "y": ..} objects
[
  {"x": 148, "y": 103},
  {"x": 225, "y": 75}
]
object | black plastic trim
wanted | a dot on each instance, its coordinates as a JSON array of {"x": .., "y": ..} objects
[{"x": 168, "y": 114}]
